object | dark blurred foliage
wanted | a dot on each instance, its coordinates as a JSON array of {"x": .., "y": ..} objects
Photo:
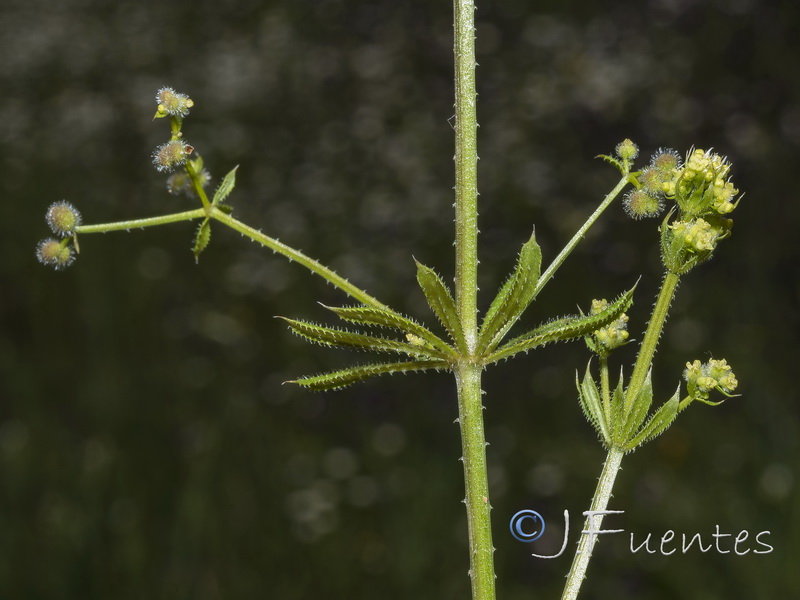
[{"x": 147, "y": 446}]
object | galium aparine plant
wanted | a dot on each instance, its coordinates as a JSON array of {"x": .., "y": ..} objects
[{"x": 703, "y": 197}]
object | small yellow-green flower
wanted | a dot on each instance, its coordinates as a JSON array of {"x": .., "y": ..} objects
[
  {"x": 702, "y": 378},
  {"x": 697, "y": 235},
  {"x": 612, "y": 336},
  {"x": 702, "y": 186}
]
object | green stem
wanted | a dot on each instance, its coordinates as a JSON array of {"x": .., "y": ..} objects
[
  {"x": 605, "y": 388},
  {"x": 476, "y": 481},
  {"x": 559, "y": 260},
  {"x": 198, "y": 187},
  {"x": 468, "y": 371},
  {"x": 602, "y": 495},
  {"x": 466, "y": 163},
  {"x": 255, "y": 235},
  {"x": 297, "y": 256},
  {"x": 650, "y": 341},
  {"x": 141, "y": 223}
]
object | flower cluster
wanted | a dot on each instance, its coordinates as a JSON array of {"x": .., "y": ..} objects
[
  {"x": 610, "y": 337},
  {"x": 702, "y": 378},
  {"x": 705, "y": 195}
]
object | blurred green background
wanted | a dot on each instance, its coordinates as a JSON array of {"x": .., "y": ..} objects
[{"x": 147, "y": 446}]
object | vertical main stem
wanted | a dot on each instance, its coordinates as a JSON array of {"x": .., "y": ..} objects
[
  {"x": 468, "y": 370},
  {"x": 476, "y": 482},
  {"x": 466, "y": 162}
]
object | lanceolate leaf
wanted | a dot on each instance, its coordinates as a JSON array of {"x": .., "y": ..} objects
[
  {"x": 367, "y": 315},
  {"x": 513, "y": 298},
  {"x": 638, "y": 412},
  {"x": 592, "y": 405},
  {"x": 441, "y": 302},
  {"x": 226, "y": 187},
  {"x": 339, "y": 379},
  {"x": 613, "y": 161},
  {"x": 657, "y": 424},
  {"x": 341, "y": 337},
  {"x": 563, "y": 329},
  {"x": 201, "y": 239}
]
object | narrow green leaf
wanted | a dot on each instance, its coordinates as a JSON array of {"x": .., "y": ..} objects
[
  {"x": 226, "y": 187},
  {"x": 367, "y": 315},
  {"x": 327, "y": 336},
  {"x": 657, "y": 424},
  {"x": 638, "y": 412},
  {"x": 563, "y": 329},
  {"x": 441, "y": 302},
  {"x": 513, "y": 298},
  {"x": 613, "y": 161},
  {"x": 201, "y": 239},
  {"x": 592, "y": 405},
  {"x": 342, "y": 378}
]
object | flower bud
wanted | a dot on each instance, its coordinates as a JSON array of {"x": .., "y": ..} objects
[
  {"x": 55, "y": 253},
  {"x": 627, "y": 150},
  {"x": 63, "y": 218},
  {"x": 170, "y": 155},
  {"x": 172, "y": 103}
]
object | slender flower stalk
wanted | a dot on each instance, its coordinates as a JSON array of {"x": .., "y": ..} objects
[
  {"x": 309, "y": 263},
  {"x": 257, "y": 236},
  {"x": 141, "y": 223},
  {"x": 562, "y": 256},
  {"x": 650, "y": 341}
]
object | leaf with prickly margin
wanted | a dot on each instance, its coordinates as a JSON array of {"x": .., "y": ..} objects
[
  {"x": 613, "y": 161},
  {"x": 658, "y": 423},
  {"x": 226, "y": 187},
  {"x": 637, "y": 413},
  {"x": 592, "y": 404},
  {"x": 563, "y": 329},
  {"x": 513, "y": 298},
  {"x": 327, "y": 336},
  {"x": 201, "y": 239},
  {"x": 441, "y": 303},
  {"x": 368, "y": 315},
  {"x": 345, "y": 377}
]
